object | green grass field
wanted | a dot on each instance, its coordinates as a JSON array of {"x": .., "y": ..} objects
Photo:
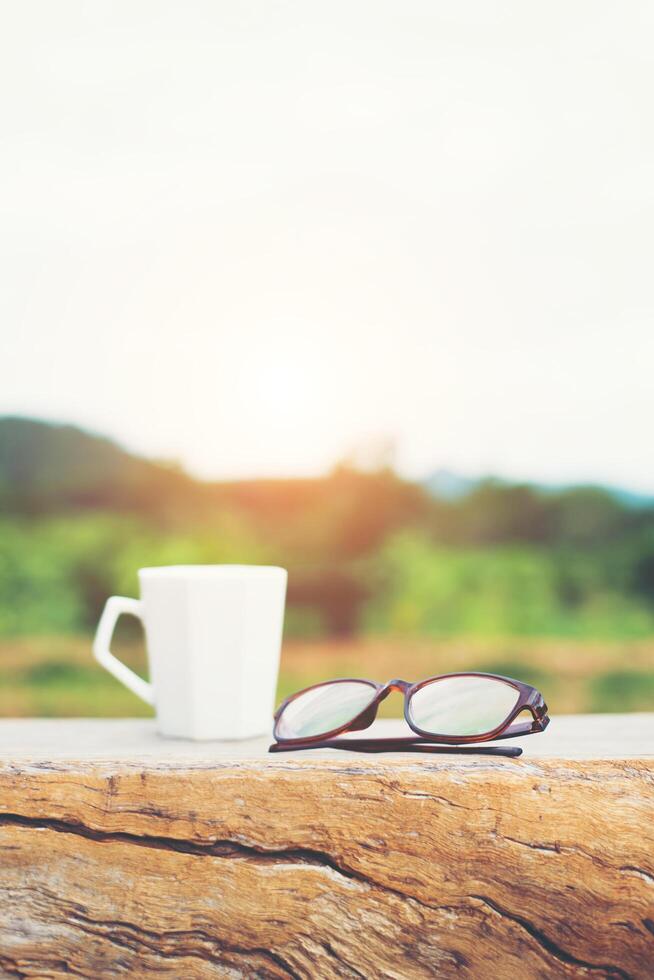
[{"x": 57, "y": 676}]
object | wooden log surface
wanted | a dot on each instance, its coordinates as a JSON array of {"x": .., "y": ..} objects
[{"x": 122, "y": 854}]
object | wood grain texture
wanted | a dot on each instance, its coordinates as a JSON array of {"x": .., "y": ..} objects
[{"x": 323, "y": 865}]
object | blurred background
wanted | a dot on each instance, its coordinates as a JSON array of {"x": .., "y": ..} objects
[{"x": 361, "y": 289}]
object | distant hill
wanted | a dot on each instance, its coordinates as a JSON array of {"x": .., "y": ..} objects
[
  {"x": 447, "y": 485},
  {"x": 49, "y": 469},
  {"x": 46, "y": 467}
]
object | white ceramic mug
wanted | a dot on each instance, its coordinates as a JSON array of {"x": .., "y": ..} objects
[{"x": 213, "y": 635}]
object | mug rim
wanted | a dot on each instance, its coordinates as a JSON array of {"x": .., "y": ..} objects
[{"x": 210, "y": 571}]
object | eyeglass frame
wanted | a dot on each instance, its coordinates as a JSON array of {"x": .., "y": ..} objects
[{"x": 529, "y": 699}]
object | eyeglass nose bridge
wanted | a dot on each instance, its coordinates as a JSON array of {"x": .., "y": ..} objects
[
  {"x": 395, "y": 685},
  {"x": 368, "y": 716}
]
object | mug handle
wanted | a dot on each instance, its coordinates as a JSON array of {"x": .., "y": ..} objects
[{"x": 115, "y": 607}]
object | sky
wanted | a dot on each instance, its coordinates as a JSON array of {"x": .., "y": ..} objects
[{"x": 260, "y": 237}]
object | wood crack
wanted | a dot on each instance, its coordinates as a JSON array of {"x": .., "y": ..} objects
[
  {"x": 609, "y": 970},
  {"x": 632, "y": 869},
  {"x": 216, "y": 848},
  {"x": 11, "y": 967},
  {"x": 228, "y": 849},
  {"x": 557, "y": 848},
  {"x": 201, "y": 944},
  {"x": 532, "y": 845},
  {"x": 331, "y": 952},
  {"x": 417, "y": 795},
  {"x": 182, "y": 943},
  {"x": 194, "y": 943}
]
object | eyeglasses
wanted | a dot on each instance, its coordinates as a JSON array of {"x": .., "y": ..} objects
[{"x": 446, "y": 713}]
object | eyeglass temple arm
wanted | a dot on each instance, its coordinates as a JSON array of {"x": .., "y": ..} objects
[{"x": 407, "y": 744}]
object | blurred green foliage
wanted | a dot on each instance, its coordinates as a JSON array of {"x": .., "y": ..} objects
[
  {"x": 622, "y": 690},
  {"x": 420, "y": 583},
  {"x": 56, "y": 573},
  {"x": 503, "y": 591},
  {"x": 366, "y": 551}
]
